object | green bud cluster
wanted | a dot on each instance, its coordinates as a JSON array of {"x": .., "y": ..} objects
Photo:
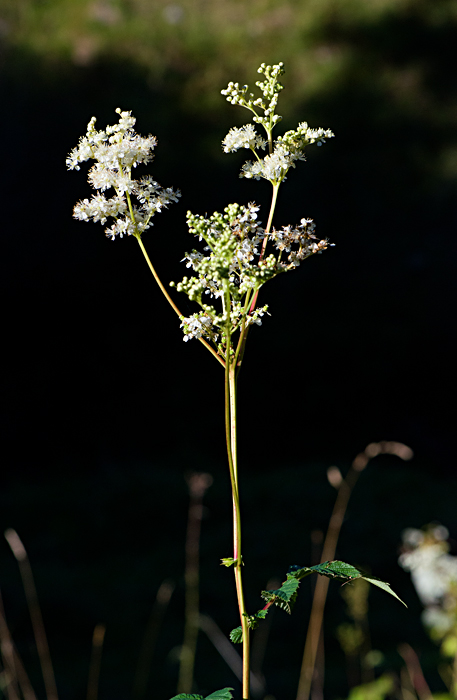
[
  {"x": 270, "y": 89},
  {"x": 285, "y": 150},
  {"x": 236, "y": 264}
]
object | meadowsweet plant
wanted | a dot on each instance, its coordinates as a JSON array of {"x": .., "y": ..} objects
[{"x": 236, "y": 257}]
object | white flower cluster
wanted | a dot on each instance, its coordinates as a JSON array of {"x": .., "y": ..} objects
[
  {"x": 300, "y": 242},
  {"x": 246, "y": 137},
  {"x": 287, "y": 149},
  {"x": 196, "y": 326},
  {"x": 434, "y": 575},
  {"x": 117, "y": 150},
  {"x": 235, "y": 264}
]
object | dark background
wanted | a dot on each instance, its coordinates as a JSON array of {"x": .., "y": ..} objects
[{"x": 105, "y": 410}]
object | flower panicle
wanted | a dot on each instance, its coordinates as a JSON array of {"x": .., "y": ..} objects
[
  {"x": 286, "y": 149},
  {"x": 116, "y": 150},
  {"x": 232, "y": 259}
]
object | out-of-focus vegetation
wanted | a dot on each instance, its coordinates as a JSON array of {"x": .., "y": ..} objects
[{"x": 403, "y": 47}]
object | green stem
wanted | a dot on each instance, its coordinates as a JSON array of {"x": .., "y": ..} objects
[
  {"x": 230, "y": 431},
  {"x": 171, "y": 302},
  {"x": 238, "y": 557},
  {"x": 274, "y": 198},
  {"x": 244, "y": 332}
]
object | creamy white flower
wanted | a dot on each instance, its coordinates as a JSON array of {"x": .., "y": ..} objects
[
  {"x": 244, "y": 137},
  {"x": 433, "y": 570},
  {"x": 195, "y": 326},
  {"x": 116, "y": 151},
  {"x": 273, "y": 167},
  {"x": 99, "y": 208},
  {"x": 192, "y": 258}
]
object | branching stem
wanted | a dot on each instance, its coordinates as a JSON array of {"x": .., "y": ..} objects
[
  {"x": 274, "y": 198},
  {"x": 170, "y": 300}
]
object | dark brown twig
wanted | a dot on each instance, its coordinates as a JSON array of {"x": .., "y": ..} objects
[
  {"x": 345, "y": 488},
  {"x": 25, "y": 569}
]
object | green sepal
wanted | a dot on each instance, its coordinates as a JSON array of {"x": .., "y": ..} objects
[
  {"x": 228, "y": 561},
  {"x": 236, "y": 635}
]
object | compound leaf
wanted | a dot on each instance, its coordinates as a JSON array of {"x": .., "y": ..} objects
[
  {"x": 285, "y": 596},
  {"x": 340, "y": 570},
  {"x": 185, "y": 696}
]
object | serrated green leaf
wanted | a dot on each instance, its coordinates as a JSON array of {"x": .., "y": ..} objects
[
  {"x": 236, "y": 635},
  {"x": 288, "y": 589},
  {"x": 185, "y": 696},
  {"x": 299, "y": 572},
  {"x": 285, "y": 596},
  {"x": 224, "y": 694},
  {"x": 385, "y": 587},
  {"x": 337, "y": 569},
  {"x": 340, "y": 570}
]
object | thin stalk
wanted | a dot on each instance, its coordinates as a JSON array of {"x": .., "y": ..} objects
[
  {"x": 244, "y": 334},
  {"x": 274, "y": 198},
  {"x": 345, "y": 488},
  {"x": 230, "y": 430},
  {"x": 198, "y": 484},
  {"x": 9, "y": 674},
  {"x": 146, "y": 655},
  {"x": 12, "y": 662},
  {"x": 320, "y": 591},
  {"x": 170, "y": 300},
  {"x": 35, "y": 613},
  {"x": 237, "y": 362},
  {"x": 229, "y": 654},
  {"x": 239, "y": 562},
  {"x": 415, "y": 672},
  {"x": 95, "y": 662}
]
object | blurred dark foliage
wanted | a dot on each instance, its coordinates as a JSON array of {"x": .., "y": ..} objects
[{"x": 105, "y": 408}]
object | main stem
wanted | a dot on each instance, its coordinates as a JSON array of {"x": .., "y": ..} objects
[
  {"x": 230, "y": 429},
  {"x": 237, "y": 519}
]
